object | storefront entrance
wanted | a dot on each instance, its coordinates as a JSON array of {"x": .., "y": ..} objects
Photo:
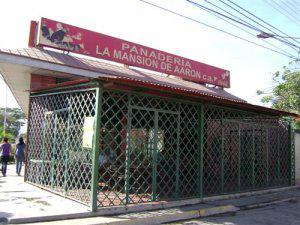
[
  {"x": 154, "y": 148},
  {"x": 55, "y": 148}
]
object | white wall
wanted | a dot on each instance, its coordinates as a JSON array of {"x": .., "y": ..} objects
[{"x": 297, "y": 157}]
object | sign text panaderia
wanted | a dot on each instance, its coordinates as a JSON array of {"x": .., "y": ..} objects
[{"x": 66, "y": 37}]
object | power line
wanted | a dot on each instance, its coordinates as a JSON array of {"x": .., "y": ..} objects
[
  {"x": 283, "y": 12},
  {"x": 291, "y": 9},
  {"x": 293, "y": 46},
  {"x": 212, "y": 27},
  {"x": 294, "y": 4},
  {"x": 261, "y": 19},
  {"x": 288, "y": 10},
  {"x": 218, "y": 13},
  {"x": 287, "y": 42},
  {"x": 262, "y": 25},
  {"x": 239, "y": 26},
  {"x": 226, "y": 20},
  {"x": 287, "y": 37},
  {"x": 228, "y": 13}
]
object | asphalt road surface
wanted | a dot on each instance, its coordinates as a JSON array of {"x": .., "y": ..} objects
[{"x": 287, "y": 213}]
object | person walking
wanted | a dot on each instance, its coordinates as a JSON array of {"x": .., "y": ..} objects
[
  {"x": 20, "y": 155},
  {"x": 5, "y": 154}
]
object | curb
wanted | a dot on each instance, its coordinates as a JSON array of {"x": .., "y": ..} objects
[
  {"x": 192, "y": 214},
  {"x": 218, "y": 210},
  {"x": 172, "y": 217},
  {"x": 117, "y": 210},
  {"x": 263, "y": 204}
]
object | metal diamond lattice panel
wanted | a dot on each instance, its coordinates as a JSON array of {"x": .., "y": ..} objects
[
  {"x": 148, "y": 149},
  {"x": 59, "y": 155},
  {"x": 244, "y": 151}
]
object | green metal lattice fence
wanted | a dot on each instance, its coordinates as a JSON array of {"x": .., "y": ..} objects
[
  {"x": 148, "y": 148},
  {"x": 56, "y": 158}
]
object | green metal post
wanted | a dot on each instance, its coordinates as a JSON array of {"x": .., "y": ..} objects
[
  {"x": 291, "y": 154},
  {"x": 127, "y": 160},
  {"x": 267, "y": 155},
  {"x": 28, "y": 134},
  {"x": 154, "y": 165},
  {"x": 42, "y": 176},
  {"x": 201, "y": 147},
  {"x": 177, "y": 158},
  {"x": 278, "y": 157},
  {"x": 53, "y": 152},
  {"x": 222, "y": 155},
  {"x": 253, "y": 157},
  {"x": 96, "y": 148},
  {"x": 239, "y": 158},
  {"x": 199, "y": 151}
]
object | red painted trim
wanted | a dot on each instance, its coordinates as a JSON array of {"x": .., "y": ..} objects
[
  {"x": 32, "y": 32},
  {"x": 38, "y": 81},
  {"x": 63, "y": 84}
]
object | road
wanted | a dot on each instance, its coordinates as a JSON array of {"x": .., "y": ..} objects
[{"x": 287, "y": 213}]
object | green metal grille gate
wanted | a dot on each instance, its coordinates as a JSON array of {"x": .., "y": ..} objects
[
  {"x": 142, "y": 139},
  {"x": 151, "y": 149}
]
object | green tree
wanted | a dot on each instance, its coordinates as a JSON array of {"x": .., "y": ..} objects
[
  {"x": 285, "y": 95},
  {"x": 15, "y": 118}
]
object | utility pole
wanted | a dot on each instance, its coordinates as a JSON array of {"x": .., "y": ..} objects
[
  {"x": 5, "y": 109},
  {"x": 5, "y": 112}
]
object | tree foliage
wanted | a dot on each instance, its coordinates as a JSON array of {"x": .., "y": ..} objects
[
  {"x": 285, "y": 95},
  {"x": 15, "y": 118}
]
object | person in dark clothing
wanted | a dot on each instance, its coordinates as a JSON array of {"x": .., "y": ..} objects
[
  {"x": 5, "y": 154},
  {"x": 20, "y": 155}
]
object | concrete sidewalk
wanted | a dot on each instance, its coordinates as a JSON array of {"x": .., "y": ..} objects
[
  {"x": 19, "y": 200},
  {"x": 188, "y": 212},
  {"x": 24, "y": 203}
]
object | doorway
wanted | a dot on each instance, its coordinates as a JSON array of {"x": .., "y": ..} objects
[
  {"x": 55, "y": 148},
  {"x": 153, "y": 154}
]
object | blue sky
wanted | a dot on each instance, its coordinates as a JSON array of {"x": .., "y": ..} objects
[{"x": 251, "y": 67}]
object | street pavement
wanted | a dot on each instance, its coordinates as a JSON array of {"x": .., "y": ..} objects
[{"x": 286, "y": 213}]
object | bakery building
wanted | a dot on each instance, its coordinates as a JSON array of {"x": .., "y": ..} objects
[{"x": 110, "y": 134}]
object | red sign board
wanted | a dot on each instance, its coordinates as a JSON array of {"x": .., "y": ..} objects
[{"x": 74, "y": 39}]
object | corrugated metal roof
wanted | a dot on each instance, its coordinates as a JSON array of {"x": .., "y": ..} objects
[
  {"x": 116, "y": 71},
  {"x": 119, "y": 73}
]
